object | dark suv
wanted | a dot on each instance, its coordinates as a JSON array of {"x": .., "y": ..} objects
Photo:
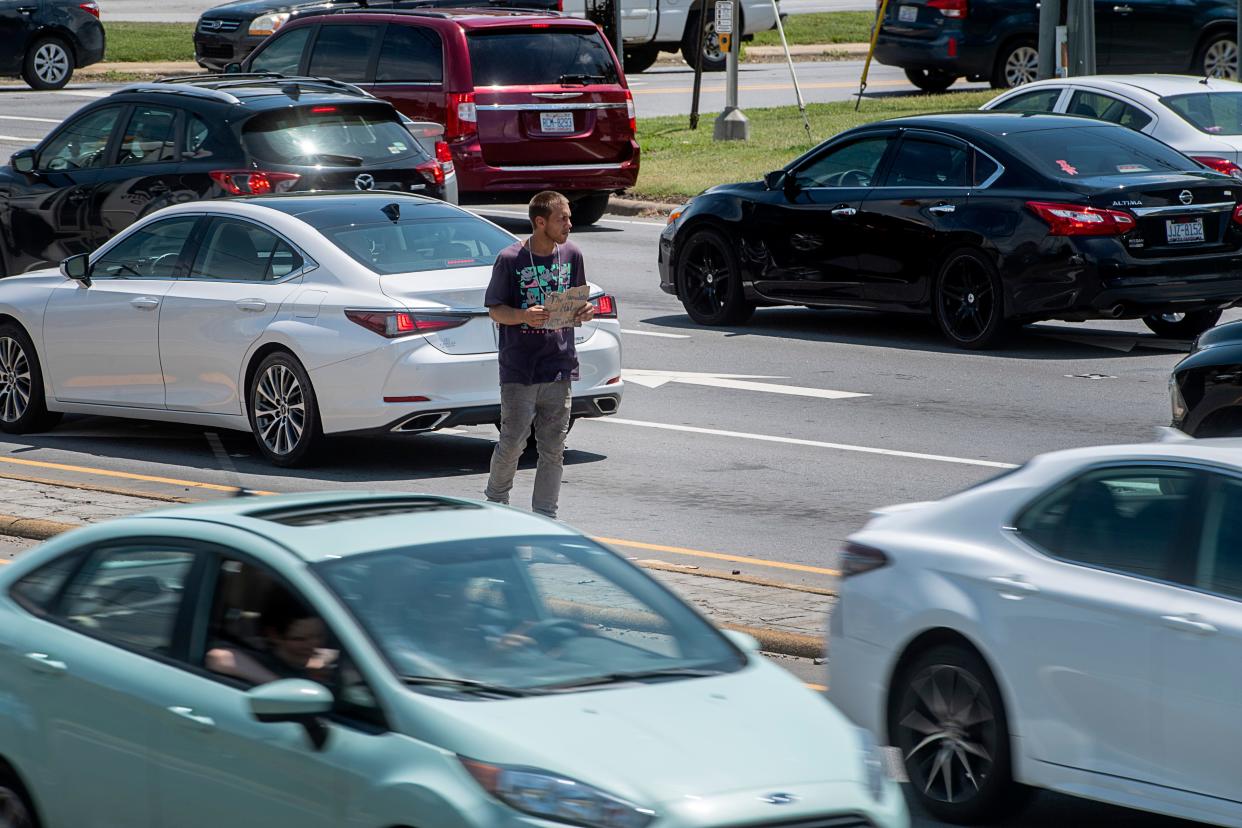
[
  {"x": 44, "y": 40},
  {"x": 154, "y": 144},
  {"x": 939, "y": 41}
]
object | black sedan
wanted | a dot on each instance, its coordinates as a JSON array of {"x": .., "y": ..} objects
[
  {"x": 1206, "y": 386},
  {"x": 982, "y": 219},
  {"x": 44, "y": 40}
]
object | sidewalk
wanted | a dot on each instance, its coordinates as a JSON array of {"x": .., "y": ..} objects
[{"x": 787, "y": 619}]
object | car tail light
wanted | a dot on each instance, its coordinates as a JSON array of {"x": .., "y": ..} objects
[
  {"x": 254, "y": 182},
  {"x": 1237, "y": 214},
  {"x": 857, "y": 559},
  {"x": 443, "y": 154},
  {"x": 956, "y": 9},
  {"x": 951, "y": 51},
  {"x": 1221, "y": 165},
  {"x": 605, "y": 306},
  {"x": 631, "y": 111},
  {"x": 1080, "y": 220},
  {"x": 432, "y": 171},
  {"x": 90, "y": 8},
  {"x": 322, "y": 110},
  {"x": 463, "y": 116},
  {"x": 392, "y": 324}
]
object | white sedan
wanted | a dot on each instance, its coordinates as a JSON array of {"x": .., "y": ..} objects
[
  {"x": 292, "y": 317},
  {"x": 1198, "y": 117},
  {"x": 1074, "y": 625}
]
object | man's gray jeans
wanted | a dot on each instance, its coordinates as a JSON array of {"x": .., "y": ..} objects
[{"x": 546, "y": 405}]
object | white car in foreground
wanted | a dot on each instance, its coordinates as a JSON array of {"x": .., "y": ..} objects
[
  {"x": 1199, "y": 117},
  {"x": 1074, "y": 625},
  {"x": 293, "y": 317}
]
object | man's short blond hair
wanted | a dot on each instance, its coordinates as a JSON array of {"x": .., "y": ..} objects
[{"x": 544, "y": 204}]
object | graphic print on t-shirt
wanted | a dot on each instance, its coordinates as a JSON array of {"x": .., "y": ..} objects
[{"x": 537, "y": 281}]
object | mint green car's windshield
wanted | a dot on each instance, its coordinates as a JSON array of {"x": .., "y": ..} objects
[{"x": 525, "y": 613}]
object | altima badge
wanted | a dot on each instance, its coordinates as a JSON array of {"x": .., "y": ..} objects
[
  {"x": 1185, "y": 197},
  {"x": 366, "y": 181},
  {"x": 779, "y": 799}
]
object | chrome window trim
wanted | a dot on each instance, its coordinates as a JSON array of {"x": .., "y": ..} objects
[
  {"x": 549, "y": 107},
  {"x": 1213, "y": 207}
]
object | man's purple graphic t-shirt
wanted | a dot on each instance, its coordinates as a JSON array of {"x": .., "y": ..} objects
[{"x": 521, "y": 280}]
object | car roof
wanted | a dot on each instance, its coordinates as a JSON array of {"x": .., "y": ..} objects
[
  {"x": 327, "y": 525},
  {"x": 1155, "y": 85},
  {"x": 331, "y": 209},
  {"x": 1222, "y": 451},
  {"x": 466, "y": 18},
  {"x": 992, "y": 123},
  {"x": 255, "y": 91}
]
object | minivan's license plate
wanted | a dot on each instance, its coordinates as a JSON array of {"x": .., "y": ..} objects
[
  {"x": 556, "y": 121},
  {"x": 908, "y": 14},
  {"x": 1182, "y": 232}
]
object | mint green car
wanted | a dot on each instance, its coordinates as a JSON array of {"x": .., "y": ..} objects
[{"x": 394, "y": 660}]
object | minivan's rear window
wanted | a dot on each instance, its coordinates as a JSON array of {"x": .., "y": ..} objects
[
  {"x": 1086, "y": 151},
  {"x": 418, "y": 244},
  {"x": 569, "y": 57},
  {"x": 330, "y": 135},
  {"x": 1216, "y": 113}
]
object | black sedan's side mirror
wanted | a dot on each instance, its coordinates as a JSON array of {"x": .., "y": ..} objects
[
  {"x": 23, "y": 161},
  {"x": 775, "y": 180},
  {"x": 77, "y": 268},
  {"x": 232, "y": 68}
]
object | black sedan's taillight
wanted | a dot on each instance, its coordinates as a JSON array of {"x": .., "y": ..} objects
[{"x": 857, "y": 559}]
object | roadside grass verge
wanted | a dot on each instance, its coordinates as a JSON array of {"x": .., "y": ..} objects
[
  {"x": 678, "y": 163},
  {"x": 135, "y": 42},
  {"x": 823, "y": 27}
]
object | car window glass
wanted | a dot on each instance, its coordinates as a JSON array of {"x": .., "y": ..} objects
[
  {"x": 82, "y": 144},
  {"x": 347, "y": 136},
  {"x": 1127, "y": 520},
  {"x": 1087, "y": 150},
  {"x": 342, "y": 52},
  {"x": 573, "y": 57},
  {"x": 1216, "y": 113},
  {"x": 196, "y": 134},
  {"x": 852, "y": 165},
  {"x": 1107, "y": 108},
  {"x": 985, "y": 168},
  {"x": 284, "y": 54},
  {"x": 240, "y": 251},
  {"x": 36, "y": 590},
  {"x": 151, "y": 252},
  {"x": 150, "y": 136},
  {"x": 409, "y": 246},
  {"x": 1039, "y": 100},
  {"x": 924, "y": 163},
  {"x": 1220, "y": 560},
  {"x": 410, "y": 53},
  {"x": 130, "y": 593}
]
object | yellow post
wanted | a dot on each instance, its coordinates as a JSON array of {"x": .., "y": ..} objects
[{"x": 875, "y": 34}]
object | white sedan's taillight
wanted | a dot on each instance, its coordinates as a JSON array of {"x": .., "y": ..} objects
[{"x": 392, "y": 324}]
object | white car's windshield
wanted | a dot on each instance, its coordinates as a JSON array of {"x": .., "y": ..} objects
[{"x": 527, "y": 614}]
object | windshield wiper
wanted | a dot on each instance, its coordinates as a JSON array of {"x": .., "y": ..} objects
[
  {"x": 566, "y": 80},
  {"x": 467, "y": 685},
  {"x": 638, "y": 675},
  {"x": 331, "y": 158}
]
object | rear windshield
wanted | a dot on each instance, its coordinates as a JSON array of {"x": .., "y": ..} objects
[
  {"x": 414, "y": 245},
  {"x": 565, "y": 57},
  {"x": 1216, "y": 113},
  {"x": 334, "y": 136},
  {"x": 1085, "y": 152}
]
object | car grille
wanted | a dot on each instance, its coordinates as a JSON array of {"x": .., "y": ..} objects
[
  {"x": 833, "y": 821},
  {"x": 218, "y": 26}
]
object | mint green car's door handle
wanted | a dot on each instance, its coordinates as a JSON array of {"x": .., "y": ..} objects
[
  {"x": 188, "y": 715},
  {"x": 44, "y": 663}
]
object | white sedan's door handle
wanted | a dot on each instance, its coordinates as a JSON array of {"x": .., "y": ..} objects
[
  {"x": 1188, "y": 623},
  {"x": 145, "y": 303},
  {"x": 44, "y": 663},
  {"x": 255, "y": 305},
  {"x": 188, "y": 715},
  {"x": 1014, "y": 588}
]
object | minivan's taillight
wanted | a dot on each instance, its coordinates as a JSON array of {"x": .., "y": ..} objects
[
  {"x": 857, "y": 559},
  {"x": 463, "y": 117},
  {"x": 1237, "y": 214},
  {"x": 254, "y": 182},
  {"x": 392, "y": 324},
  {"x": 631, "y": 111},
  {"x": 1221, "y": 165},
  {"x": 605, "y": 306},
  {"x": 956, "y": 9},
  {"x": 1079, "y": 220},
  {"x": 90, "y": 8}
]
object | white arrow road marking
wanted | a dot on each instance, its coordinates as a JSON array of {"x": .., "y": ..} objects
[
  {"x": 738, "y": 382},
  {"x": 655, "y": 333}
]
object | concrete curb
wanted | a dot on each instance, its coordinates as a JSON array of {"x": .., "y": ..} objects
[
  {"x": 772, "y": 641},
  {"x": 622, "y": 206}
]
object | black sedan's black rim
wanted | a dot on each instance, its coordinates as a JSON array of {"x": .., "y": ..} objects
[
  {"x": 708, "y": 278},
  {"x": 967, "y": 300}
]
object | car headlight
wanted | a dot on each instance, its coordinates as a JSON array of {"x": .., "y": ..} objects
[
  {"x": 265, "y": 24},
  {"x": 874, "y": 772},
  {"x": 1176, "y": 399},
  {"x": 549, "y": 795}
]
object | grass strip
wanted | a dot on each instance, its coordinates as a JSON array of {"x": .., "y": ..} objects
[
  {"x": 822, "y": 27},
  {"x": 138, "y": 42}
]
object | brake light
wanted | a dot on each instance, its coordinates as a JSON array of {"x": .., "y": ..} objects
[
  {"x": 956, "y": 9},
  {"x": 463, "y": 116},
  {"x": 857, "y": 559},
  {"x": 631, "y": 112},
  {"x": 432, "y": 171},
  {"x": 1079, "y": 220},
  {"x": 90, "y": 8},
  {"x": 443, "y": 154},
  {"x": 539, "y": 25},
  {"x": 392, "y": 324},
  {"x": 1221, "y": 165},
  {"x": 321, "y": 110},
  {"x": 254, "y": 182},
  {"x": 605, "y": 306}
]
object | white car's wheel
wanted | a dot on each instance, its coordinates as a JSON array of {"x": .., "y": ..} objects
[
  {"x": 283, "y": 412},
  {"x": 23, "y": 408}
]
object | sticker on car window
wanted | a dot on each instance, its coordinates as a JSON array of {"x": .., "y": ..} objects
[
  {"x": 1065, "y": 165},
  {"x": 396, "y": 148},
  {"x": 1132, "y": 168}
]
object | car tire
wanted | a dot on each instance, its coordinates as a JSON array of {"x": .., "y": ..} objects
[
  {"x": 48, "y": 64},
  {"x": 1182, "y": 325},
  {"x": 927, "y": 722},
  {"x": 283, "y": 411},
  {"x": 587, "y": 210},
  {"x": 1017, "y": 63},
  {"x": 1217, "y": 57},
  {"x": 640, "y": 59},
  {"x": 23, "y": 406},
  {"x": 707, "y": 262},
  {"x": 932, "y": 81},
  {"x": 968, "y": 300},
  {"x": 714, "y": 60},
  {"x": 16, "y": 809}
]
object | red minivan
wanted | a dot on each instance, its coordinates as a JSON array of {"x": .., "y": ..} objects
[{"x": 530, "y": 101}]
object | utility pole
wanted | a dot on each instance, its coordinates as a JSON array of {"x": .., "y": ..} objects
[
  {"x": 732, "y": 124},
  {"x": 1237, "y": 44},
  {"x": 1049, "y": 19},
  {"x": 617, "y": 8},
  {"x": 1081, "y": 36}
]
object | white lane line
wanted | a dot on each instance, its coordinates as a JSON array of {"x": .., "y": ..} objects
[
  {"x": 17, "y": 139},
  {"x": 655, "y": 333},
  {"x": 28, "y": 118},
  {"x": 793, "y": 441},
  {"x": 84, "y": 93},
  {"x": 482, "y": 210}
]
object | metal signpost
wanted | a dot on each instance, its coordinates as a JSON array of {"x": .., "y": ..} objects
[
  {"x": 698, "y": 70},
  {"x": 732, "y": 124},
  {"x": 1081, "y": 31},
  {"x": 617, "y": 8},
  {"x": 1049, "y": 18}
]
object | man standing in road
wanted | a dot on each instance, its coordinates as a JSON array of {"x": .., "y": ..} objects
[{"x": 537, "y": 364}]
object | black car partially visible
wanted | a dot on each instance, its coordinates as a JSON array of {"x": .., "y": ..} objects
[
  {"x": 43, "y": 41},
  {"x": 151, "y": 145},
  {"x": 1206, "y": 387},
  {"x": 982, "y": 219}
]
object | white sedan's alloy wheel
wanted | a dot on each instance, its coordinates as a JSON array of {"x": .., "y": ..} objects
[
  {"x": 14, "y": 382},
  {"x": 280, "y": 409}
]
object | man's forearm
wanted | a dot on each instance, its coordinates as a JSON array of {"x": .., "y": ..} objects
[{"x": 506, "y": 315}]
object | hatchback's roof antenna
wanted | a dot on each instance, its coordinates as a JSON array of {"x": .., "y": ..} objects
[{"x": 226, "y": 466}]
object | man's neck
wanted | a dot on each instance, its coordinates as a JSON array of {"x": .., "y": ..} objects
[{"x": 541, "y": 245}]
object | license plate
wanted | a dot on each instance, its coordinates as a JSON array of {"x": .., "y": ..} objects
[
  {"x": 1182, "y": 232},
  {"x": 556, "y": 121},
  {"x": 908, "y": 14}
]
